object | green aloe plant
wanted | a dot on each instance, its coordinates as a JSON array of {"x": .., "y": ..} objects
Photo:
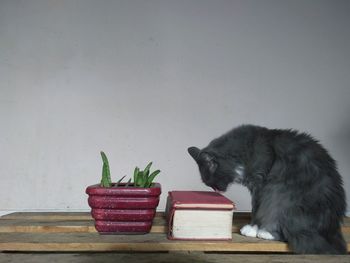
[
  {"x": 106, "y": 174},
  {"x": 141, "y": 178},
  {"x": 144, "y": 178}
]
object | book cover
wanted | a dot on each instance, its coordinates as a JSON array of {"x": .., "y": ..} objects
[{"x": 194, "y": 215}]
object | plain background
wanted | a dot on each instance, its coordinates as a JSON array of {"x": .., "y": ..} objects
[{"x": 144, "y": 80}]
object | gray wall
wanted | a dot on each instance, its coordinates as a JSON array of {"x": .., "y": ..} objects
[{"x": 143, "y": 80}]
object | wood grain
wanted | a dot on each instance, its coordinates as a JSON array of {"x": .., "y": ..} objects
[
  {"x": 82, "y": 222},
  {"x": 150, "y": 242},
  {"x": 70, "y": 232},
  {"x": 173, "y": 257}
]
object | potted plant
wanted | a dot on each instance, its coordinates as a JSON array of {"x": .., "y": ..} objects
[{"x": 124, "y": 208}]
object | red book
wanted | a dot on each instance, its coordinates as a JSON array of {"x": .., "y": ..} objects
[{"x": 199, "y": 215}]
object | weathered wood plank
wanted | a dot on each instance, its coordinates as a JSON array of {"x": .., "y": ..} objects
[
  {"x": 172, "y": 257},
  {"x": 151, "y": 242},
  {"x": 63, "y": 226},
  {"x": 82, "y": 222},
  {"x": 79, "y": 216},
  {"x": 64, "y": 232},
  {"x": 59, "y": 227},
  {"x": 71, "y": 216}
]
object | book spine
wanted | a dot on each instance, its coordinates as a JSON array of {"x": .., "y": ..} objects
[
  {"x": 169, "y": 214},
  {"x": 168, "y": 207}
]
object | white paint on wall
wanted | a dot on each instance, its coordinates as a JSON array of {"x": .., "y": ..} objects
[{"x": 143, "y": 80}]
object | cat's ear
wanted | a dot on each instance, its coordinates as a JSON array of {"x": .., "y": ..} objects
[{"x": 194, "y": 152}]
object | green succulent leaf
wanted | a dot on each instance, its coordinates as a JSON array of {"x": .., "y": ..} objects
[
  {"x": 128, "y": 183},
  {"x": 119, "y": 181},
  {"x": 106, "y": 175},
  {"x": 139, "y": 178},
  {"x": 146, "y": 170},
  {"x": 144, "y": 179},
  {"x": 104, "y": 180},
  {"x": 151, "y": 178},
  {"x": 136, "y": 174}
]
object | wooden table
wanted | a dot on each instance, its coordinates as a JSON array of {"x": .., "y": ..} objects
[{"x": 75, "y": 233}]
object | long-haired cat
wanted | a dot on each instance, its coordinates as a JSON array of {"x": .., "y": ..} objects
[{"x": 297, "y": 193}]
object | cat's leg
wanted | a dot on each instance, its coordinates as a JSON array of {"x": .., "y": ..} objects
[
  {"x": 269, "y": 228},
  {"x": 268, "y": 213},
  {"x": 268, "y": 225},
  {"x": 251, "y": 230}
]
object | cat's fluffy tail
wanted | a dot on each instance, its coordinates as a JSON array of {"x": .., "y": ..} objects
[{"x": 315, "y": 243}]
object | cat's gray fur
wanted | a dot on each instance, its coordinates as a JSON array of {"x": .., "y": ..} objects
[{"x": 297, "y": 192}]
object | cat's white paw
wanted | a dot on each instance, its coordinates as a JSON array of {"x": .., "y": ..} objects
[
  {"x": 263, "y": 234},
  {"x": 249, "y": 230}
]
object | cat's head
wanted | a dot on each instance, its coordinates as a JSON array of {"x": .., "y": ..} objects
[{"x": 217, "y": 171}]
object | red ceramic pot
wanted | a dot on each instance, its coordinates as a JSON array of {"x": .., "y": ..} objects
[{"x": 123, "y": 210}]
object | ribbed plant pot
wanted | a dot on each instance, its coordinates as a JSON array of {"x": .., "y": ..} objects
[{"x": 123, "y": 210}]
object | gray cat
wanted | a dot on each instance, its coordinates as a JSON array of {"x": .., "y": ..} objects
[{"x": 297, "y": 193}]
